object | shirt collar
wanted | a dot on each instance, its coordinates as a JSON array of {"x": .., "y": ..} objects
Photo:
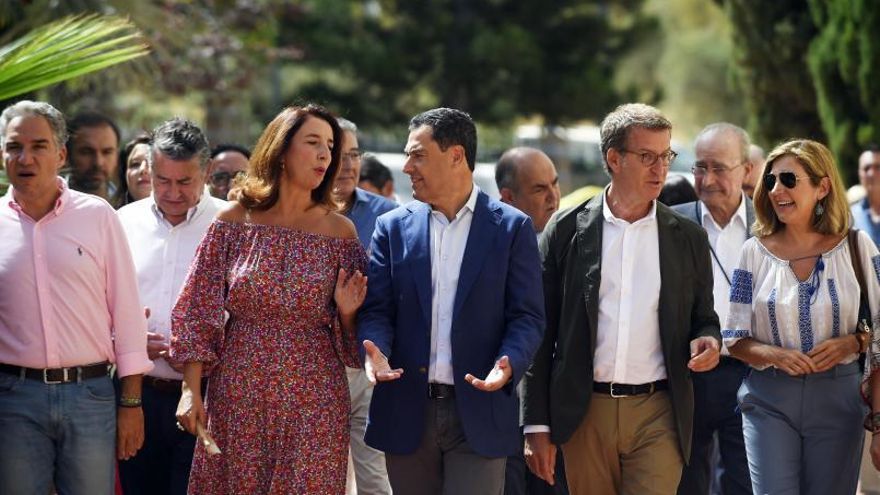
[
  {"x": 469, "y": 205},
  {"x": 190, "y": 214},
  {"x": 739, "y": 214},
  {"x": 60, "y": 202},
  {"x": 609, "y": 216}
]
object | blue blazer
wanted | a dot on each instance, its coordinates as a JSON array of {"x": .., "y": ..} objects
[{"x": 498, "y": 310}]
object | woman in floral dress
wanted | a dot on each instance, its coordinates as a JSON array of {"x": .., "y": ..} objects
[{"x": 286, "y": 268}]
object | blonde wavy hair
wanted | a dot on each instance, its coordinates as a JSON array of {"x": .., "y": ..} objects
[{"x": 818, "y": 163}]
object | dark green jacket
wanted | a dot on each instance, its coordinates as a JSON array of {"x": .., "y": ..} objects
[{"x": 557, "y": 387}]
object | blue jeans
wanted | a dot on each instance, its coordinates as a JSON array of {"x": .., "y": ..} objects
[{"x": 63, "y": 433}]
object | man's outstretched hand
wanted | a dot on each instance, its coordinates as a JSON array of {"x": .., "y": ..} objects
[
  {"x": 376, "y": 365},
  {"x": 496, "y": 378}
]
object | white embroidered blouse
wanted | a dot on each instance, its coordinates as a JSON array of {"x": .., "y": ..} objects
[{"x": 769, "y": 304}]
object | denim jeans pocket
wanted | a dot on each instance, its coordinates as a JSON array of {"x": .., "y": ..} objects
[
  {"x": 100, "y": 389},
  {"x": 8, "y": 382}
]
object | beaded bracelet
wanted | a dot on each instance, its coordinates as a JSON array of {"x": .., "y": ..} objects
[{"x": 130, "y": 402}]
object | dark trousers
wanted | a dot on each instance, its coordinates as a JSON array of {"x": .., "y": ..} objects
[
  {"x": 518, "y": 480},
  {"x": 162, "y": 465},
  {"x": 715, "y": 410}
]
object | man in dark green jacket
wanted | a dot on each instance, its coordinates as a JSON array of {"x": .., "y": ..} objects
[{"x": 628, "y": 299}]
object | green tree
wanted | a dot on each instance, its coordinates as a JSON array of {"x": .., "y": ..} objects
[
  {"x": 843, "y": 62},
  {"x": 771, "y": 41},
  {"x": 63, "y": 50}
]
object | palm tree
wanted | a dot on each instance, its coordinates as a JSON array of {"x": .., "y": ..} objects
[{"x": 65, "y": 49}]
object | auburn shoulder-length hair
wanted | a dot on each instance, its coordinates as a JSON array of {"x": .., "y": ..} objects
[
  {"x": 260, "y": 188},
  {"x": 818, "y": 163}
]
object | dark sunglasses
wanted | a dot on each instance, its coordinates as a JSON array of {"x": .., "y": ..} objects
[{"x": 788, "y": 179}]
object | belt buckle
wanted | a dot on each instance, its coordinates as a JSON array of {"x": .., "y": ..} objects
[
  {"x": 64, "y": 379},
  {"x": 613, "y": 395}
]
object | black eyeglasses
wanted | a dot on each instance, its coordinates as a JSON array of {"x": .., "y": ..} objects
[
  {"x": 788, "y": 179},
  {"x": 649, "y": 158},
  {"x": 220, "y": 179}
]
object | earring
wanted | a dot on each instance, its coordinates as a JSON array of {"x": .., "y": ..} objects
[
  {"x": 819, "y": 209},
  {"x": 282, "y": 164}
]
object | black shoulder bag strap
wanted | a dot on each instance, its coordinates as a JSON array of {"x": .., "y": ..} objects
[{"x": 864, "y": 307}]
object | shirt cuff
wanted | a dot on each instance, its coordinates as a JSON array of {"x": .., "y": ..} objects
[
  {"x": 536, "y": 429},
  {"x": 133, "y": 363}
]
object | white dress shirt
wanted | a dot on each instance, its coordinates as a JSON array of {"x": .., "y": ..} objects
[
  {"x": 448, "y": 241},
  {"x": 628, "y": 335},
  {"x": 162, "y": 255},
  {"x": 727, "y": 242},
  {"x": 628, "y": 346}
]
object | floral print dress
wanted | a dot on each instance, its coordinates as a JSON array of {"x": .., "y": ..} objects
[{"x": 277, "y": 400}]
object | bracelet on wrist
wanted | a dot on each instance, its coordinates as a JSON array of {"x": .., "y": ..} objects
[{"x": 130, "y": 402}]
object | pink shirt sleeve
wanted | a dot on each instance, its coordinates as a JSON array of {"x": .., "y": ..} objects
[{"x": 128, "y": 323}]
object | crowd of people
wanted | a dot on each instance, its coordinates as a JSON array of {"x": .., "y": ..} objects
[{"x": 177, "y": 318}]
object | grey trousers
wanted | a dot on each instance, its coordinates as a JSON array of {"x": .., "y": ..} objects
[
  {"x": 444, "y": 463},
  {"x": 371, "y": 478},
  {"x": 803, "y": 434}
]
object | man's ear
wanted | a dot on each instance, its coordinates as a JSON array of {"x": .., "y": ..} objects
[
  {"x": 612, "y": 158},
  {"x": 506, "y": 195},
  {"x": 458, "y": 155}
]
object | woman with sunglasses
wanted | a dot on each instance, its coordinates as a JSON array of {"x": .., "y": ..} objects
[{"x": 794, "y": 307}]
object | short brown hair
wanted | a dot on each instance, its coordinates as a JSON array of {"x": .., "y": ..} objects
[
  {"x": 818, "y": 163},
  {"x": 260, "y": 189},
  {"x": 615, "y": 127}
]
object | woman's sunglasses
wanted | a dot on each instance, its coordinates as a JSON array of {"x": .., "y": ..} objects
[{"x": 788, "y": 179}]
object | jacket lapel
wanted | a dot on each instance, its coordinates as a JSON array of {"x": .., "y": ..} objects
[
  {"x": 418, "y": 242},
  {"x": 670, "y": 269},
  {"x": 589, "y": 244},
  {"x": 484, "y": 227}
]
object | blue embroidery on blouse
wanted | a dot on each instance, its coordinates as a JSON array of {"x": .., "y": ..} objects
[
  {"x": 735, "y": 334},
  {"x": 876, "y": 262},
  {"x": 771, "y": 311},
  {"x": 805, "y": 324},
  {"x": 741, "y": 287},
  {"x": 835, "y": 309}
]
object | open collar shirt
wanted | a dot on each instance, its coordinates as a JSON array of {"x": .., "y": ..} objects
[
  {"x": 448, "y": 242},
  {"x": 68, "y": 292},
  {"x": 162, "y": 256},
  {"x": 628, "y": 346}
]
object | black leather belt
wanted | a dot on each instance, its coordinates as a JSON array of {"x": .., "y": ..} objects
[
  {"x": 625, "y": 390},
  {"x": 440, "y": 391},
  {"x": 54, "y": 376}
]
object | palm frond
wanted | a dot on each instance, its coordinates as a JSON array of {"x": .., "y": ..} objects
[{"x": 65, "y": 49}]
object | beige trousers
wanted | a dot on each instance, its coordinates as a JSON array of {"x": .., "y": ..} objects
[{"x": 625, "y": 446}]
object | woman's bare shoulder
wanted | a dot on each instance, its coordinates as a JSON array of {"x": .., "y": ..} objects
[{"x": 234, "y": 212}]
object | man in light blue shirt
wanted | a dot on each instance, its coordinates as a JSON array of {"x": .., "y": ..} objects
[
  {"x": 362, "y": 208},
  {"x": 866, "y": 212}
]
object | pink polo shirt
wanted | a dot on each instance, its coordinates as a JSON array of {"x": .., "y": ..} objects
[{"x": 68, "y": 291}]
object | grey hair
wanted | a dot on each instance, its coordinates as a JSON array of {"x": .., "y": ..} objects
[
  {"x": 28, "y": 108},
  {"x": 615, "y": 127},
  {"x": 742, "y": 137},
  {"x": 180, "y": 139},
  {"x": 347, "y": 125}
]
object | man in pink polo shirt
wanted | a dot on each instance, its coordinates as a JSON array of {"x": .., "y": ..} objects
[{"x": 69, "y": 310}]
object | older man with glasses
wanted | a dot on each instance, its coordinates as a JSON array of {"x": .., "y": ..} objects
[{"x": 726, "y": 214}]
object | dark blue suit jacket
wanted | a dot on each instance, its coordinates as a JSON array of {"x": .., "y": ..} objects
[{"x": 498, "y": 310}]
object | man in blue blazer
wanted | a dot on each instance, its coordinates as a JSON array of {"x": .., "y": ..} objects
[{"x": 454, "y": 294}]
